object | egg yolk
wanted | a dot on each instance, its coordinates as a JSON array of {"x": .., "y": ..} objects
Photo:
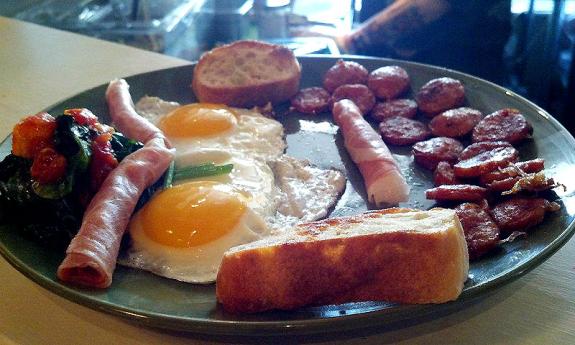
[
  {"x": 197, "y": 120},
  {"x": 191, "y": 214}
]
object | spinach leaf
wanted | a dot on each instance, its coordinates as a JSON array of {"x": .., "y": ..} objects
[
  {"x": 50, "y": 222},
  {"x": 54, "y": 191},
  {"x": 15, "y": 181},
  {"x": 123, "y": 146},
  {"x": 73, "y": 140}
]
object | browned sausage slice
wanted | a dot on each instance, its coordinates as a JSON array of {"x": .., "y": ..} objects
[
  {"x": 444, "y": 174},
  {"x": 403, "y": 131},
  {"x": 481, "y": 231},
  {"x": 513, "y": 171},
  {"x": 531, "y": 166},
  {"x": 439, "y": 95},
  {"x": 505, "y": 124},
  {"x": 486, "y": 162},
  {"x": 388, "y": 82},
  {"x": 311, "y": 100},
  {"x": 395, "y": 107},
  {"x": 430, "y": 152},
  {"x": 357, "y": 93},
  {"x": 455, "y": 123},
  {"x": 520, "y": 214},
  {"x": 344, "y": 72},
  {"x": 536, "y": 182},
  {"x": 480, "y": 147},
  {"x": 502, "y": 185},
  {"x": 456, "y": 192}
]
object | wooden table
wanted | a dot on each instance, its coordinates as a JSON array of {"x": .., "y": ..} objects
[{"x": 40, "y": 66}]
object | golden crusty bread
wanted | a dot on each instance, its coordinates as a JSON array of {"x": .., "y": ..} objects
[
  {"x": 394, "y": 255},
  {"x": 247, "y": 73}
]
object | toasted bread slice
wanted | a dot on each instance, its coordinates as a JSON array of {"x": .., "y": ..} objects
[
  {"x": 247, "y": 73},
  {"x": 394, "y": 255}
]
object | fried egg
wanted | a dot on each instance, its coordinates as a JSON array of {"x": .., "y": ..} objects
[
  {"x": 182, "y": 232},
  {"x": 199, "y": 126}
]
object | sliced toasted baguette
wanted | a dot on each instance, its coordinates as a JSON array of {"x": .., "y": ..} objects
[
  {"x": 247, "y": 73},
  {"x": 395, "y": 255}
]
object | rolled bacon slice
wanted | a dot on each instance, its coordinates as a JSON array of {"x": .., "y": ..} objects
[
  {"x": 381, "y": 174},
  {"x": 91, "y": 256},
  {"x": 124, "y": 116}
]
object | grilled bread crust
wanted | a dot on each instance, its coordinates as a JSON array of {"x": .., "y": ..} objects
[
  {"x": 339, "y": 260},
  {"x": 246, "y": 74}
]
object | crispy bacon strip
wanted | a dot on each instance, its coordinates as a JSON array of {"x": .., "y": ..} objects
[
  {"x": 382, "y": 176},
  {"x": 92, "y": 254},
  {"x": 124, "y": 116}
]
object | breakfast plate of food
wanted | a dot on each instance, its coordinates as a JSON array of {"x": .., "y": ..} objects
[{"x": 349, "y": 192}]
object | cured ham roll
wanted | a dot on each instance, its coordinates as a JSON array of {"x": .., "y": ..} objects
[
  {"x": 91, "y": 256},
  {"x": 124, "y": 116},
  {"x": 381, "y": 174}
]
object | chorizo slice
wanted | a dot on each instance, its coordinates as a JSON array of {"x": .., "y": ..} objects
[
  {"x": 357, "y": 93},
  {"x": 396, "y": 107},
  {"x": 444, "y": 174},
  {"x": 430, "y": 152},
  {"x": 536, "y": 182},
  {"x": 520, "y": 214},
  {"x": 480, "y": 147},
  {"x": 455, "y": 123},
  {"x": 503, "y": 125},
  {"x": 531, "y": 166},
  {"x": 486, "y": 162},
  {"x": 344, "y": 72},
  {"x": 388, "y": 82},
  {"x": 456, "y": 192},
  {"x": 311, "y": 100},
  {"x": 502, "y": 185},
  {"x": 439, "y": 95},
  {"x": 403, "y": 131},
  {"x": 480, "y": 230},
  {"x": 512, "y": 172}
]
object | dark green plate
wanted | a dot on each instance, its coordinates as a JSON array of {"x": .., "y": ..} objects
[{"x": 159, "y": 302}]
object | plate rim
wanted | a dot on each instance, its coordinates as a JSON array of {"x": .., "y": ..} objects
[{"x": 303, "y": 326}]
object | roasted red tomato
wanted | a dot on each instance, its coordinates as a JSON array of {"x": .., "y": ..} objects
[
  {"x": 82, "y": 116},
  {"x": 32, "y": 134},
  {"x": 49, "y": 166},
  {"x": 103, "y": 160}
]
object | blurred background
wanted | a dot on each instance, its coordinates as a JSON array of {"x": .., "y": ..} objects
[{"x": 537, "y": 36}]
